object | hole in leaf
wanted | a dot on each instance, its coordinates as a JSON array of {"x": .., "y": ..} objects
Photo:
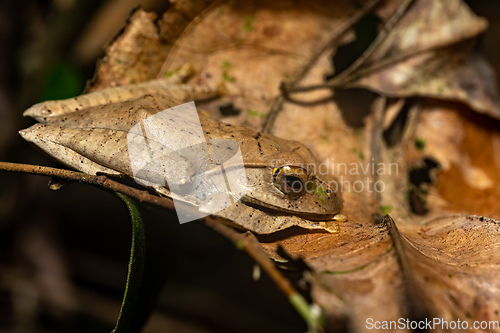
[
  {"x": 366, "y": 31},
  {"x": 392, "y": 135},
  {"x": 355, "y": 103},
  {"x": 420, "y": 177},
  {"x": 229, "y": 110}
]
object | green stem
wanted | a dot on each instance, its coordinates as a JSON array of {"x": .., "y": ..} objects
[
  {"x": 305, "y": 311},
  {"x": 125, "y": 322}
]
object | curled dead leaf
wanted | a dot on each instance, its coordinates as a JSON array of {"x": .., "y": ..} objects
[{"x": 431, "y": 52}]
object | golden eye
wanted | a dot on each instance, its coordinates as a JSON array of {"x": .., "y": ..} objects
[{"x": 290, "y": 180}]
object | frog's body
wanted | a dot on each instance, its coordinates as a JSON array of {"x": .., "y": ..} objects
[{"x": 89, "y": 133}]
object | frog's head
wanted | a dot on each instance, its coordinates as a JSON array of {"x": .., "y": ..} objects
[{"x": 293, "y": 186}]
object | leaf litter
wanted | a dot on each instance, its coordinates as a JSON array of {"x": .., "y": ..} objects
[{"x": 253, "y": 46}]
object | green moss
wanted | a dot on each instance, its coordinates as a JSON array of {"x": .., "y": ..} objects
[
  {"x": 227, "y": 77},
  {"x": 385, "y": 209},
  {"x": 420, "y": 144},
  {"x": 227, "y": 66},
  {"x": 254, "y": 113},
  {"x": 359, "y": 152},
  {"x": 248, "y": 23},
  {"x": 220, "y": 12}
]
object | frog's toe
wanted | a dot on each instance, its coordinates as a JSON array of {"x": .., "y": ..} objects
[
  {"x": 331, "y": 227},
  {"x": 36, "y": 111},
  {"x": 186, "y": 71},
  {"x": 41, "y": 112},
  {"x": 340, "y": 218}
]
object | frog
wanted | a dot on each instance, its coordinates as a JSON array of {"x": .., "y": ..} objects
[{"x": 283, "y": 188}]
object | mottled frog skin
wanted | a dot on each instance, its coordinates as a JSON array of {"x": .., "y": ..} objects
[{"x": 89, "y": 133}]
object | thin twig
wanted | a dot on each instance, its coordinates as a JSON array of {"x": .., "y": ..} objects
[
  {"x": 351, "y": 21},
  {"x": 99, "y": 181},
  {"x": 273, "y": 113},
  {"x": 347, "y": 74},
  {"x": 376, "y": 43},
  {"x": 407, "y": 136},
  {"x": 376, "y": 144}
]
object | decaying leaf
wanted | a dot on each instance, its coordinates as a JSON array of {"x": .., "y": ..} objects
[
  {"x": 138, "y": 52},
  {"x": 431, "y": 52}
]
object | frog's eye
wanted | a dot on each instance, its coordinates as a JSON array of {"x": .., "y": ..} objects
[{"x": 290, "y": 180}]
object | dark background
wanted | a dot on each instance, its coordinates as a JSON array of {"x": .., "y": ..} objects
[{"x": 64, "y": 254}]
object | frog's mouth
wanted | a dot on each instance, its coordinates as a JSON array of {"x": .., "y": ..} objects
[{"x": 280, "y": 211}]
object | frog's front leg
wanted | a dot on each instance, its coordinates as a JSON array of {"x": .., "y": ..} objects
[{"x": 168, "y": 87}]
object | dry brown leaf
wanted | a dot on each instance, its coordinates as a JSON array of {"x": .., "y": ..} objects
[
  {"x": 430, "y": 52},
  {"x": 138, "y": 52}
]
